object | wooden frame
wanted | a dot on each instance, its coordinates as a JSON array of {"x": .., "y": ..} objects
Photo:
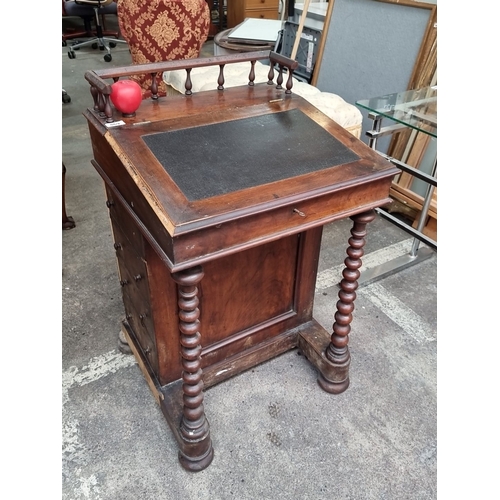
[
  {"x": 426, "y": 61},
  {"x": 409, "y": 146},
  {"x": 424, "y": 74},
  {"x": 322, "y": 42}
]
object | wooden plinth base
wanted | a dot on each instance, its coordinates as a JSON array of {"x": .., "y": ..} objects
[
  {"x": 312, "y": 340},
  {"x": 194, "y": 455}
]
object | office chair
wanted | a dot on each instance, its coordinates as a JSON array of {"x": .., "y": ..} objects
[
  {"x": 86, "y": 15},
  {"x": 99, "y": 41}
]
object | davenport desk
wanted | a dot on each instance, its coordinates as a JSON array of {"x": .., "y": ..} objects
[{"x": 217, "y": 202}]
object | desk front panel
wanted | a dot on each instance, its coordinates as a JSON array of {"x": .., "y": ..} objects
[{"x": 246, "y": 299}]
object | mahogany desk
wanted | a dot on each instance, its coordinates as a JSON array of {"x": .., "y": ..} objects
[{"x": 217, "y": 202}]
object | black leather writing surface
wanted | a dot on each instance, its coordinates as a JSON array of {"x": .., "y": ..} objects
[{"x": 217, "y": 159}]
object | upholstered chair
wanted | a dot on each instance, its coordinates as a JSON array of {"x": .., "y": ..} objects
[{"x": 163, "y": 30}]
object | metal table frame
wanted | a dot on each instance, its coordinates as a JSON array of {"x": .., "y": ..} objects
[{"x": 416, "y": 254}]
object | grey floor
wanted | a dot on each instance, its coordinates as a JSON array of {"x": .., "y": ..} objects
[{"x": 276, "y": 434}]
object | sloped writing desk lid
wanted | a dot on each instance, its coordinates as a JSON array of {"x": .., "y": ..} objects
[{"x": 217, "y": 159}]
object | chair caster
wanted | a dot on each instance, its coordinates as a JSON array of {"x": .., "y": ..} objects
[
  {"x": 112, "y": 45},
  {"x": 107, "y": 57},
  {"x": 65, "y": 97},
  {"x": 71, "y": 54}
]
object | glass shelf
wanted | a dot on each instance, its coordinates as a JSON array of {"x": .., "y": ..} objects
[{"x": 416, "y": 109}]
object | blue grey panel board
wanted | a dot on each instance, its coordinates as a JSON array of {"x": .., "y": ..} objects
[{"x": 370, "y": 49}]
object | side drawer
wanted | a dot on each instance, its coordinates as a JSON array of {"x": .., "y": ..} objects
[
  {"x": 133, "y": 271},
  {"x": 140, "y": 318},
  {"x": 129, "y": 230},
  {"x": 262, "y": 5},
  {"x": 261, "y": 14}
]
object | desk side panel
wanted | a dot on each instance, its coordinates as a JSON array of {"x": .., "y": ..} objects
[{"x": 112, "y": 164}]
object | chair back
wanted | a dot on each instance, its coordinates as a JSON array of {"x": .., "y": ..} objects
[
  {"x": 94, "y": 3},
  {"x": 163, "y": 30}
]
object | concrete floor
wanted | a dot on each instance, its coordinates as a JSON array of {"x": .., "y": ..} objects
[{"x": 276, "y": 434}]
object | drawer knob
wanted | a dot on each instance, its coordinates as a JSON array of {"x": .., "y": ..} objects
[
  {"x": 138, "y": 277},
  {"x": 297, "y": 211},
  {"x": 109, "y": 204},
  {"x": 117, "y": 246},
  {"x": 123, "y": 282}
]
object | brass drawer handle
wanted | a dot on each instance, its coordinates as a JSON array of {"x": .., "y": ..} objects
[{"x": 297, "y": 211}]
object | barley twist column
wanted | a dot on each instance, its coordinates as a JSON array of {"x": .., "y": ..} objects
[
  {"x": 196, "y": 452},
  {"x": 337, "y": 352}
]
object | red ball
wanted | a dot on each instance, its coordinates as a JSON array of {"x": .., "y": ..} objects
[{"x": 126, "y": 96}]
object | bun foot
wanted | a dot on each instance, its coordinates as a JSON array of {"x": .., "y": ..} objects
[
  {"x": 68, "y": 222},
  {"x": 333, "y": 387},
  {"x": 196, "y": 464},
  {"x": 123, "y": 344}
]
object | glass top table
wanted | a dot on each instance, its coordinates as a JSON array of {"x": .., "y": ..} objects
[{"x": 416, "y": 109}]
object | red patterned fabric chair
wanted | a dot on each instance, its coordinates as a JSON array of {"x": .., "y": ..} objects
[{"x": 163, "y": 30}]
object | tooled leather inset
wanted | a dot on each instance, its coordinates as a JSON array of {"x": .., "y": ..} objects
[{"x": 162, "y": 30}]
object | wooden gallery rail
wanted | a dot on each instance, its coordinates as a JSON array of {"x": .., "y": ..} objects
[
  {"x": 101, "y": 90},
  {"x": 217, "y": 201}
]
